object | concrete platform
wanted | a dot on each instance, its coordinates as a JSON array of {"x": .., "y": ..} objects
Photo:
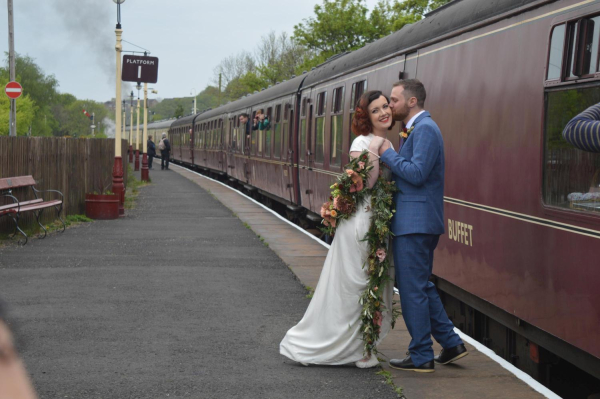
[
  {"x": 178, "y": 299},
  {"x": 476, "y": 376}
]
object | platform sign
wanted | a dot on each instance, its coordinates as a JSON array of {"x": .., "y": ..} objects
[
  {"x": 140, "y": 69},
  {"x": 13, "y": 89}
]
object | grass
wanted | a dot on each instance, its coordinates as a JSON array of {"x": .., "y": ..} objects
[
  {"x": 70, "y": 221},
  {"x": 133, "y": 188},
  {"x": 310, "y": 290},
  {"x": 390, "y": 381}
]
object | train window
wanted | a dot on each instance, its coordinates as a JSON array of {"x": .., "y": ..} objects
[
  {"x": 303, "y": 110},
  {"x": 321, "y": 103},
  {"x": 302, "y": 148},
  {"x": 571, "y": 168},
  {"x": 284, "y": 129},
  {"x": 358, "y": 89},
  {"x": 337, "y": 124},
  {"x": 268, "y": 133},
  {"x": 556, "y": 52},
  {"x": 277, "y": 114},
  {"x": 583, "y": 47},
  {"x": 319, "y": 139},
  {"x": 320, "y": 127},
  {"x": 338, "y": 100}
]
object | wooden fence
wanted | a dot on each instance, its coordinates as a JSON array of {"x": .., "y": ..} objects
[{"x": 72, "y": 166}]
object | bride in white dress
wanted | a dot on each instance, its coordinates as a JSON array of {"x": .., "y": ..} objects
[{"x": 329, "y": 333}]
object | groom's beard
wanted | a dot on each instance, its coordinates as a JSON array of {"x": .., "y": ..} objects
[{"x": 400, "y": 114}]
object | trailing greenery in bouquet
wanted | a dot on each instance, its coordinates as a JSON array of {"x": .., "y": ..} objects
[
  {"x": 377, "y": 264},
  {"x": 347, "y": 194}
]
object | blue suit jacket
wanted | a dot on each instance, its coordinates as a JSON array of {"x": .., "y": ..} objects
[{"x": 419, "y": 174}]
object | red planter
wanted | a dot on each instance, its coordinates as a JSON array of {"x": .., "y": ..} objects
[{"x": 102, "y": 206}]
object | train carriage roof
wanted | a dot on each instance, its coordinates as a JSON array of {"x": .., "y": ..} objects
[
  {"x": 161, "y": 124},
  {"x": 184, "y": 120},
  {"x": 448, "y": 18}
]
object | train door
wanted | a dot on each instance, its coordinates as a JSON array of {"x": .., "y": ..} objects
[
  {"x": 222, "y": 146},
  {"x": 304, "y": 149}
]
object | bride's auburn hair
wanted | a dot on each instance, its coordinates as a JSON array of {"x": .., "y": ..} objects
[{"x": 361, "y": 121}]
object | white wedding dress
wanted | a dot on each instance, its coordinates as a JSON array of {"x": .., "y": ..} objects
[{"x": 329, "y": 333}]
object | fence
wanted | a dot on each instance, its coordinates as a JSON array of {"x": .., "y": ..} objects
[{"x": 72, "y": 166}]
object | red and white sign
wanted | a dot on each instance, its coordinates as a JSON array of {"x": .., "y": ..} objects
[{"x": 13, "y": 90}]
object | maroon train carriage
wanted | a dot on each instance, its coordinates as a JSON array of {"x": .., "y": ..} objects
[{"x": 518, "y": 265}]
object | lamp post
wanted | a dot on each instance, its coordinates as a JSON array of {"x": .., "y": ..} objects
[
  {"x": 137, "y": 134},
  {"x": 194, "y": 93},
  {"x": 145, "y": 138},
  {"x": 118, "y": 187},
  {"x": 131, "y": 128},
  {"x": 124, "y": 126}
]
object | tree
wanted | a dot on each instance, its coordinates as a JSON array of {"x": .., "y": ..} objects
[
  {"x": 41, "y": 89},
  {"x": 179, "y": 111},
  {"x": 338, "y": 26},
  {"x": 26, "y": 109}
]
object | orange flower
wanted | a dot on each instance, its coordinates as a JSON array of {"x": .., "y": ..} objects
[{"x": 333, "y": 213}]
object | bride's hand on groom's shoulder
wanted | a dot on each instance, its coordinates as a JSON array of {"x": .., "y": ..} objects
[
  {"x": 384, "y": 147},
  {"x": 376, "y": 143}
]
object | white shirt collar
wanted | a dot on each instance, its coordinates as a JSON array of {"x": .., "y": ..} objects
[{"x": 413, "y": 119}]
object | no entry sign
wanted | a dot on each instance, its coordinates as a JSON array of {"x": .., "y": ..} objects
[
  {"x": 13, "y": 90},
  {"x": 140, "y": 69}
]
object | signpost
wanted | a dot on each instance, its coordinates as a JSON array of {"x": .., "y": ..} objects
[
  {"x": 13, "y": 90},
  {"x": 141, "y": 69}
]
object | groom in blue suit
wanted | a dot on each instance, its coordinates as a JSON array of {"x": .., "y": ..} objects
[{"x": 418, "y": 170}]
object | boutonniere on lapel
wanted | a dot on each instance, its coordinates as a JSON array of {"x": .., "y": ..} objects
[{"x": 404, "y": 133}]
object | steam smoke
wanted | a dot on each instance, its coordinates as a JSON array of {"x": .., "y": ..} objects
[
  {"x": 92, "y": 22},
  {"x": 109, "y": 127}
]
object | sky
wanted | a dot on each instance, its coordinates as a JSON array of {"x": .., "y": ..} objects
[{"x": 74, "y": 40}]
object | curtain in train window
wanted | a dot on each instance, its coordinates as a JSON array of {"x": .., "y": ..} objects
[
  {"x": 320, "y": 127},
  {"x": 277, "y": 133},
  {"x": 286, "y": 131},
  {"x": 320, "y": 139},
  {"x": 572, "y": 160},
  {"x": 268, "y": 133},
  {"x": 337, "y": 125},
  {"x": 302, "y": 148}
]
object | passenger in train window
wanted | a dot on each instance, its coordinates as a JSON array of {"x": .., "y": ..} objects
[
  {"x": 583, "y": 133},
  {"x": 244, "y": 120}
]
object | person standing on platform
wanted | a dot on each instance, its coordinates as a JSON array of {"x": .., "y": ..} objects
[
  {"x": 151, "y": 151},
  {"x": 165, "y": 152},
  {"x": 418, "y": 170}
]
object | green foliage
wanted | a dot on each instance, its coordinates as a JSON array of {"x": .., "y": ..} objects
[
  {"x": 42, "y": 110},
  {"x": 26, "y": 110},
  {"x": 336, "y": 27}
]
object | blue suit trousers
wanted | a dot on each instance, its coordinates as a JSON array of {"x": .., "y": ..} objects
[{"x": 422, "y": 307}]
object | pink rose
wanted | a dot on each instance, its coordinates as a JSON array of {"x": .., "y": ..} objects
[
  {"x": 349, "y": 172},
  {"x": 361, "y": 165},
  {"x": 381, "y": 254}
]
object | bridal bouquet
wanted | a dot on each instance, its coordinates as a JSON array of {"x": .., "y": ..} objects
[{"x": 347, "y": 194}]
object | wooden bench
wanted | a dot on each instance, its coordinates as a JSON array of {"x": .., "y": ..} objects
[{"x": 36, "y": 205}]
